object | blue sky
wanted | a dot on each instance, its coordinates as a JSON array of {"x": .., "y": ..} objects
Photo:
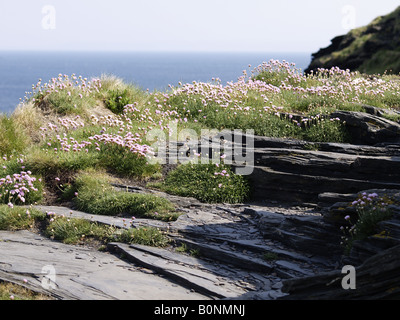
[{"x": 182, "y": 25}]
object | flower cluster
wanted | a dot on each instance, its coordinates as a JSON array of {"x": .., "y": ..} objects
[
  {"x": 274, "y": 88},
  {"x": 223, "y": 173},
  {"x": 312, "y": 120},
  {"x": 129, "y": 142},
  {"x": 13, "y": 189},
  {"x": 371, "y": 209},
  {"x": 123, "y": 138},
  {"x": 274, "y": 91},
  {"x": 368, "y": 199},
  {"x": 64, "y": 83}
]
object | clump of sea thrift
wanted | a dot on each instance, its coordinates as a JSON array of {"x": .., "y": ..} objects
[
  {"x": 123, "y": 138},
  {"x": 371, "y": 209},
  {"x": 14, "y": 188},
  {"x": 64, "y": 83}
]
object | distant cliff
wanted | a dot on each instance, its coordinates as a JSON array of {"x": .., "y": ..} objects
[{"x": 374, "y": 48}]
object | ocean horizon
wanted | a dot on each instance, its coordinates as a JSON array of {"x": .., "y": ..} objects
[{"x": 20, "y": 70}]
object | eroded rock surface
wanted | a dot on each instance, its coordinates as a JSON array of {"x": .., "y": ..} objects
[
  {"x": 234, "y": 259},
  {"x": 300, "y": 172},
  {"x": 80, "y": 273},
  {"x": 246, "y": 251}
]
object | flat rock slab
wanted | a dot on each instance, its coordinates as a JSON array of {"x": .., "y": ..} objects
[
  {"x": 80, "y": 273},
  {"x": 186, "y": 270}
]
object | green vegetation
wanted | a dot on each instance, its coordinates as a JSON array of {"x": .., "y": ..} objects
[
  {"x": 10, "y": 291},
  {"x": 19, "y": 218},
  {"x": 75, "y": 230},
  {"x": 72, "y": 231},
  {"x": 270, "y": 256},
  {"x": 95, "y": 195},
  {"x": 145, "y": 236},
  {"x": 371, "y": 209},
  {"x": 390, "y": 59},
  {"x": 206, "y": 182},
  {"x": 183, "y": 248},
  {"x": 117, "y": 100},
  {"x": 72, "y": 124},
  {"x": 124, "y": 163},
  {"x": 12, "y": 138}
]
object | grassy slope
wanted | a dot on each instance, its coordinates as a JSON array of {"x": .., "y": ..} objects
[{"x": 71, "y": 125}]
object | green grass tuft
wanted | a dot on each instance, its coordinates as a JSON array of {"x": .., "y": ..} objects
[
  {"x": 207, "y": 183},
  {"x": 95, "y": 195},
  {"x": 13, "y": 140},
  {"x": 72, "y": 231},
  {"x": 147, "y": 236},
  {"x": 19, "y": 218}
]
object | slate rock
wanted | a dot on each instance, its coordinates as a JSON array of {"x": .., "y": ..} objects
[
  {"x": 377, "y": 278},
  {"x": 369, "y": 129},
  {"x": 94, "y": 276}
]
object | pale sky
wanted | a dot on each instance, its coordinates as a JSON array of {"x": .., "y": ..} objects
[{"x": 182, "y": 25}]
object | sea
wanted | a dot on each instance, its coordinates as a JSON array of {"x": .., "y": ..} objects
[{"x": 148, "y": 70}]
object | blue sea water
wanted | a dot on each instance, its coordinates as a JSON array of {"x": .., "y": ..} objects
[{"x": 148, "y": 70}]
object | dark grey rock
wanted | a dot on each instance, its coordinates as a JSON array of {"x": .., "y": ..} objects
[
  {"x": 94, "y": 276},
  {"x": 327, "y": 199},
  {"x": 178, "y": 268},
  {"x": 237, "y": 259},
  {"x": 298, "y": 175},
  {"x": 379, "y": 111},
  {"x": 369, "y": 129},
  {"x": 377, "y": 278},
  {"x": 306, "y": 234}
]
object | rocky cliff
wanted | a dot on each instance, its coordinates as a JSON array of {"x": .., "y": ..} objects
[{"x": 374, "y": 48}]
